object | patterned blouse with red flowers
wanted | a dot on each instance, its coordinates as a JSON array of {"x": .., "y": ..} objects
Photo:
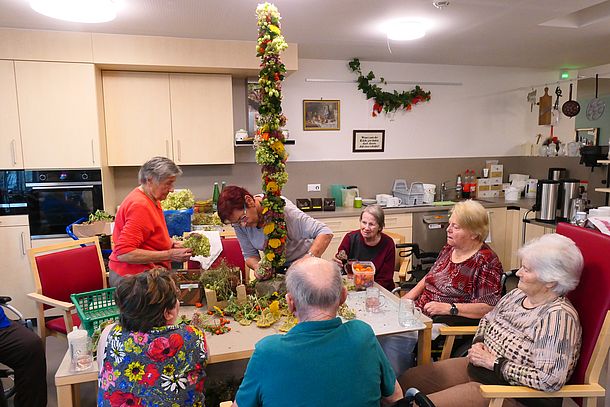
[
  {"x": 475, "y": 280},
  {"x": 162, "y": 367}
]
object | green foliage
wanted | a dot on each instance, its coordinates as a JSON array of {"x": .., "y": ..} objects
[
  {"x": 100, "y": 216},
  {"x": 199, "y": 243},
  {"x": 223, "y": 279},
  {"x": 177, "y": 200}
]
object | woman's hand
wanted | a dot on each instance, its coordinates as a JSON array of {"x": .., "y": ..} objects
[
  {"x": 180, "y": 254},
  {"x": 434, "y": 308},
  {"x": 177, "y": 244},
  {"x": 480, "y": 355}
]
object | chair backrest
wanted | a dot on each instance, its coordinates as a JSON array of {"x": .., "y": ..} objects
[
  {"x": 231, "y": 253},
  {"x": 68, "y": 268},
  {"x": 592, "y": 296}
]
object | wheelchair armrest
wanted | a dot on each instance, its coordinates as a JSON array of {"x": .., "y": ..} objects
[{"x": 4, "y": 299}]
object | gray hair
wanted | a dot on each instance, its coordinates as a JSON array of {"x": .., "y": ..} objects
[
  {"x": 158, "y": 169},
  {"x": 314, "y": 283},
  {"x": 376, "y": 212},
  {"x": 554, "y": 259}
]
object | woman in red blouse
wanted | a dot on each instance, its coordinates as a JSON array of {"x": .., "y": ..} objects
[
  {"x": 370, "y": 244},
  {"x": 465, "y": 280}
]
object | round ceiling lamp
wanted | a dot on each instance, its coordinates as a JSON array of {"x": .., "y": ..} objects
[
  {"x": 80, "y": 11},
  {"x": 405, "y": 30}
]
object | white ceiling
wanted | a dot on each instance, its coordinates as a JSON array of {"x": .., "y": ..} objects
[{"x": 468, "y": 32}]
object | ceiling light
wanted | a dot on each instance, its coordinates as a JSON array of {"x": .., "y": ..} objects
[
  {"x": 80, "y": 11},
  {"x": 405, "y": 30},
  {"x": 440, "y": 4}
]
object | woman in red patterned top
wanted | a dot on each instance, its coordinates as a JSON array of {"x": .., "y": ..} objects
[{"x": 465, "y": 280}]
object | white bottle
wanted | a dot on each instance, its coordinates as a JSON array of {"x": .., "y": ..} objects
[{"x": 81, "y": 353}]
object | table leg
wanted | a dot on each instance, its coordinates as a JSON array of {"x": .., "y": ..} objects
[
  {"x": 424, "y": 345},
  {"x": 64, "y": 396}
]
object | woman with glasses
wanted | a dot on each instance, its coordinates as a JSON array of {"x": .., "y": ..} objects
[
  {"x": 141, "y": 239},
  {"x": 239, "y": 208}
]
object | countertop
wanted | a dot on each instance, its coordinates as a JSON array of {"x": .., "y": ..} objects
[{"x": 340, "y": 212}]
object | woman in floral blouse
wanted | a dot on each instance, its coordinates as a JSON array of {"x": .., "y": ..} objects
[{"x": 146, "y": 359}]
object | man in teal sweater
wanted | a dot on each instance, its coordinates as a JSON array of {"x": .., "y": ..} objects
[{"x": 321, "y": 361}]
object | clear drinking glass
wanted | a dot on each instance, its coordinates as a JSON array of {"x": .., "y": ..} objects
[{"x": 408, "y": 314}]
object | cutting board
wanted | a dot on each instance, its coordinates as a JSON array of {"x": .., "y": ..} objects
[{"x": 545, "y": 105}]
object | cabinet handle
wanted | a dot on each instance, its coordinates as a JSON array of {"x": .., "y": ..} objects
[
  {"x": 23, "y": 243},
  {"x": 14, "y": 154},
  {"x": 167, "y": 148},
  {"x": 92, "y": 152},
  {"x": 179, "y": 151}
]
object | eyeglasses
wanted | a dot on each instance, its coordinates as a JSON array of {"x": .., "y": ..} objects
[{"x": 242, "y": 219}]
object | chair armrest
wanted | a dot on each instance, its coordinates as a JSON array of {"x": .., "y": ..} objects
[
  {"x": 458, "y": 330},
  {"x": 570, "y": 390},
  {"x": 66, "y": 306},
  {"x": 226, "y": 404},
  {"x": 402, "y": 272}
]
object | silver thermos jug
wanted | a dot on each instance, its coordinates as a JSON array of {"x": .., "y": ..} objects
[
  {"x": 557, "y": 173},
  {"x": 568, "y": 190},
  {"x": 547, "y": 195}
]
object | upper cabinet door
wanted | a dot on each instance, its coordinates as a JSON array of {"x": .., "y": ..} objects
[
  {"x": 202, "y": 118},
  {"x": 137, "y": 113},
  {"x": 10, "y": 138},
  {"x": 58, "y": 114}
]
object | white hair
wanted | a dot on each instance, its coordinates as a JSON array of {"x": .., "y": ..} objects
[
  {"x": 555, "y": 259},
  {"x": 158, "y": 169}
]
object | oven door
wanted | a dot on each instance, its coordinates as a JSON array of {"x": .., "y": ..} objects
[{"x": 54, "y": 206}]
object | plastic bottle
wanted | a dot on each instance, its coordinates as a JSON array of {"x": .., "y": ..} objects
[
  {"x": 215, "y": 196},
  {"x": 222, "y": 186},
  {"x": 458, "y": 187},
  {"x": 466, "y": 185},
  {"x": 79, "y": 346}
]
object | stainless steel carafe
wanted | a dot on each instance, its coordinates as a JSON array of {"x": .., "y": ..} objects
[
  {"x": 547, "y": 195},
  {"x": 568, "y": 190},
  {"x": 557, "y": 173}
]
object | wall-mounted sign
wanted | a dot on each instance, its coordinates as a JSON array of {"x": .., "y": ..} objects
[{"x": 368, "y": 141}]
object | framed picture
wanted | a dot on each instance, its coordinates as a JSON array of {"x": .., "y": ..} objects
[
  {"x": 368, "y": 141},
  {"x": 321, "y": 115},
  {"x": 587, "y": 137},
  {"x": 253, "y": 101}
]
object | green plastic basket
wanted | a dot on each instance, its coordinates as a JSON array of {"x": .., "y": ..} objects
[{"x": 95, "y": 307}]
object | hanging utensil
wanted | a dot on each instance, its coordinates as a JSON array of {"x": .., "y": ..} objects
[
  {"x": 570, "y": 108},
  {"x": 531, "y": 99},
  {"x": 555, "y": 113},
  {"x": 596, "y": 107},
  {"x": 545, "y": 106}
]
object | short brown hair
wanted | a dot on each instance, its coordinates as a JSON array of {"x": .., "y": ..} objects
[
  {"x": 231, "y": 198},
  {"x": 143, "y": 298},
  {"x": 472, "y": 216}
]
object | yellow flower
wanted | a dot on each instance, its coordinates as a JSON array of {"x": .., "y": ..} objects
[
  {"x": 270, "y": 256},
  {"x": 265, "y": 209},
  {"x": 274, "y": 243},
  {"x": 274, "y": 307},
  {"x": 169, "y": 370},
  {"x": 135, "y": 371},
  {"x": 272, "y": 186},
  {"x": 274, "y": 29},
  {"x": 278, "y": 147},
  {"x": 270, "y": 227}
]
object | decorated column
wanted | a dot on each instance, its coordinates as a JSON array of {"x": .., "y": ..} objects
[{"x": 269, "y": 140}]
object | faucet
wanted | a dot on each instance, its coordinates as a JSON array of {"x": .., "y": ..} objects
[{"x": 444, "y": 189}]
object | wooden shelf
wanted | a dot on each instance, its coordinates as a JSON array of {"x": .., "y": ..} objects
[
  {"x": 604, "y": 162},
  {"x": 251, "y": 142},
  {"x": 606, "y": 190}
]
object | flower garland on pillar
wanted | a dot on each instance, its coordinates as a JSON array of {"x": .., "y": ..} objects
[
  {"x": 269, "y": 140},
  {"x": 388, "y": 102}
]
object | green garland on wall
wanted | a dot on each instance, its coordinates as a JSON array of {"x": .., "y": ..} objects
[
  {"x": 386, "y": 101},
  {"x": 269, "y": 139}
]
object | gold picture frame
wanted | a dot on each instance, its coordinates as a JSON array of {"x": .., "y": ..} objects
[
  {"x": 320, "y": 115},
  {"x": 588, "y": 136}
]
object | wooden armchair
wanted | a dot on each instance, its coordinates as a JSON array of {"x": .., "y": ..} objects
[
  {"x": 592, "y": 301},
  {"x": 60, "y": 270}
]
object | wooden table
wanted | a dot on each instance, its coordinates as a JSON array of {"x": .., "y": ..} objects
[{"x": 239, "y": 344}]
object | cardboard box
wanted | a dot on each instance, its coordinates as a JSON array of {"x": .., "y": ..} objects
[
  {"x": 495, "y": 181},
  {"x": 189, "y": 286},
  {"x": 495, "y": 167},
  {"x": 496, "y": 174},
  {"x": 484, "y": 188},
  {"x": 488, "y": 194},
  {"x": 484, "y": 181},
  {"x": 496, "y": 187}
]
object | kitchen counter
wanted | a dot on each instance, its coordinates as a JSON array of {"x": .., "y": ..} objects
[{"x": 523, "y": 203}]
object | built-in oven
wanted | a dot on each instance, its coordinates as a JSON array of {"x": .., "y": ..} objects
[
  {"x": 12, "y": 193},
  {"x": 57, "y": 198}
]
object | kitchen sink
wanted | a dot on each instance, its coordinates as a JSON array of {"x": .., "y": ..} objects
[{"x": 449, "y": 203}]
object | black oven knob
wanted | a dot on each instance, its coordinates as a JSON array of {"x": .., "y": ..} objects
[
  {"x": 42, "y": 177},
  {"x": 84, "y": 176}
]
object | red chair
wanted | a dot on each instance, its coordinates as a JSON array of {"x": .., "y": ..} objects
[
  {"x": 60, "y": 270},
  {"x": 592, "y": 301},
  {"x": 231, "y": 253}
]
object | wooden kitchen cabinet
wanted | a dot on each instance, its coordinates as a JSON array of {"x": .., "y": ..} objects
[
  {"x": 185, "y": 117},
  {"x": 497, "y": 234},
  {"x": 58, "y": 114},
  {"x": 10, "y": 136},
  {"x": 15, "y": 274}
]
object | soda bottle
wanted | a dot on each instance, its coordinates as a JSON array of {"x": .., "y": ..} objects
[
  {"x": 466, "y": 185},
  {"x": 215, "y": 196},
  {"x": 222, "y": 186},
  {"x": 458, "y": 187}
]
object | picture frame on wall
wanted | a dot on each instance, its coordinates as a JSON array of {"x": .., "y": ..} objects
[
  {"x": 588, "y": 136},
  {"x": 321, "y": 115},
  {"x": 368, "y": 141}
]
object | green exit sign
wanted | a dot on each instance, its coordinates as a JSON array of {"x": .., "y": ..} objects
[{"x": 565, "y": 75}]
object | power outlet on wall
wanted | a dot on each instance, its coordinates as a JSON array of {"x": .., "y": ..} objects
[{"x": 313, "y": 188}]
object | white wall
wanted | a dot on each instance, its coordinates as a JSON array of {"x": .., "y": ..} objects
[{"x": 487, "y": 116}]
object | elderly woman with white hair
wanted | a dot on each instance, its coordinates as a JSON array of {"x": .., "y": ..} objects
[
  {"x": 141, "y": 239},
  {"x": 531, "y": 338}
]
